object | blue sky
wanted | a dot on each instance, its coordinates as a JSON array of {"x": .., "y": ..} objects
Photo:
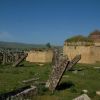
[{"x": 43, "y": 21}]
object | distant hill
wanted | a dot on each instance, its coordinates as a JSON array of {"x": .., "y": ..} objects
[{"x": 15, "y": 45}]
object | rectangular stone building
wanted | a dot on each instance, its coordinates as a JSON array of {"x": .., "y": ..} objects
[{"x": 89, "y": 54}]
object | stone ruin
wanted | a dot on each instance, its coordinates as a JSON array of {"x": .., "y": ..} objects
[
  {"x": 9, "y": 57},
  {"x": 83, "y": 97},
  {"x": 16, "y": 63},
  {"x": 40, "y": 56},
  {"x": 60, "y": 65}
]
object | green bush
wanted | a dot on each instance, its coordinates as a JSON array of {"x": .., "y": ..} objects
[{"x": 79, "y": 38}]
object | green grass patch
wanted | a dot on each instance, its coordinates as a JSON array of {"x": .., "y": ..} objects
[{"x": 70, "y": 87}]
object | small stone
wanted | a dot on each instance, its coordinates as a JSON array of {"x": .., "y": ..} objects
[
  {"x": 97, "y": 67},
  {"x": 75, "y": 72},
  {"x": 47, "y": 84},
  {"x": 41, "y": 64},
  {"x": 98, "y": 93},
  {"x": 83, "y": 97},
  {"x": 85, "y": 91},
  {"x": 66, "y": 76}
]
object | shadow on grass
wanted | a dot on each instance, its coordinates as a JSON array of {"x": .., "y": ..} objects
[{"x": 65, "y": 85}]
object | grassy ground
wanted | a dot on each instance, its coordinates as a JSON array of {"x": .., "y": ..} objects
[{"x": 70, "y": 86}]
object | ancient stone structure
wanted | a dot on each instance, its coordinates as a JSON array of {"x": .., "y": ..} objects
[
  {"x": 87, "y": 47},
  {"x": 83, "y": 97},
  {"x": 4, "y": 58},
  {"x": 1, "y": 57},
  {"x": 60, "y": 65},
  {"x": 89, "y": 54},
  {"x": 24, "y": 93},
  {"x": 9, "y": 57},
  {"x": 20, "y": 60},
  {"x": 40, "y": 56},
  {"x": 95, "y": 36},
  {"x": 57, "y": 74},
  {"x": 73, "y": 62}
]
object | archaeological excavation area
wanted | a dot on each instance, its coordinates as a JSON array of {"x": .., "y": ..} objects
[
  {"x": 61, "y": 79},
  {"x": 71, "y": 72}
]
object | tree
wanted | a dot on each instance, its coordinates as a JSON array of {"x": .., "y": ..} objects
[{"x": 48, "y": 45}]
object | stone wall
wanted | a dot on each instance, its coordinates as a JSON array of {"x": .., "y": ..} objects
[
  {"x": 97, "y": 43},
  {"x": 89, "y": 54},
  {"x": 44, "y": 56},
  {"x": 96, "y": 52}
]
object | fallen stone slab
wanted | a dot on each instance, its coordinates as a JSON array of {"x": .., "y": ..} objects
[
  {"x": 98, "y": 93},
  {"x": 23, "y": 93},
  {"x": 66, "y": 76},
  {"x": 97, "y": 67},
  {"x": 83, "y": 97},
  {"x": 16, "y": 63},
  {"x": 30, "y": 80},
  {"x": 28, "y": 93},
  {"x": 73, "y": 62}
]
